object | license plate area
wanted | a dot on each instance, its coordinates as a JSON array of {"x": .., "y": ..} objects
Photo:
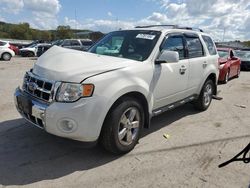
[{"x": 24, "y": 104}]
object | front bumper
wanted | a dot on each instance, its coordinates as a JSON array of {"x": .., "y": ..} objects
[
  {"x": 30, "y": 108},
  {"x": 81, "y": 120}
]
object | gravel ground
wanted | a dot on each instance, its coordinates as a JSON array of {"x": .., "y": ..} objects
[{"x": 189, "y": 157}]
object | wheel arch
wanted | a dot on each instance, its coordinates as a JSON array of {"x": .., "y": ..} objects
[
  {"x": 211, "y": 76},
  {"x": 138, "y": 96},
  {"x": 6, "y": 53}
]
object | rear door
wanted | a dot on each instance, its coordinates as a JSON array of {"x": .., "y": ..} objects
[
  {"x": 171, "y": 78},
  {"x": 197, "y": 60}
]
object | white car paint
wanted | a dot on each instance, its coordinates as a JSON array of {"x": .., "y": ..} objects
[
  {"x": 113, "y": 77},
  {"x": 5, "y": 49}
]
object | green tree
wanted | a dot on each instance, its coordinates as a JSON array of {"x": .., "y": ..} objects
[
  {"x": 20, "y": 31},
  {"x": 64, "y": 32}
]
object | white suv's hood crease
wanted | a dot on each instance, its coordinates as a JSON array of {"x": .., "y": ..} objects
[{"x": 60, "y": 64}]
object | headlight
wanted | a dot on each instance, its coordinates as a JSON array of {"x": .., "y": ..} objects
[{"x": 70, "y": 92}]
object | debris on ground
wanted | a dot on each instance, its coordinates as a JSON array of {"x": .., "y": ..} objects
[
  {"x": 240, "y": 105},
  {"x": 167, "y": 136},
  {"x": 217, "y": 97}
]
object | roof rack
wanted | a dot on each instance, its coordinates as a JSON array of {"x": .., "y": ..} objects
[
  {"x": 148, "y": 26},
  {"x": 190, "y": 28},
  {"x": 172, "y": 26}
]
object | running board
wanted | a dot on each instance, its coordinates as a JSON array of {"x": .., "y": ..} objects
[{"x": 173, "y": 105}]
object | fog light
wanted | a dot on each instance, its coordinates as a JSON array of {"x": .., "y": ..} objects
[{"x": 67, "y": 125}]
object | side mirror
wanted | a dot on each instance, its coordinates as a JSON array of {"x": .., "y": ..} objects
[{"x": 167, "y": 56}]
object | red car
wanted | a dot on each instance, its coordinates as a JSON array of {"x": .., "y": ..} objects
[
  {"x": 14, "y": 48},
  {"x": 229, "y": 64}
]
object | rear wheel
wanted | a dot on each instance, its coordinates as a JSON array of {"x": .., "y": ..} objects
[
  {"x": 6, "y": 56},
  {"x": 121, "y": 129},
  {"x": 205, "y": 97},
  {"x": 226, "y": 77},
  {"x": 30, "y": 54}
]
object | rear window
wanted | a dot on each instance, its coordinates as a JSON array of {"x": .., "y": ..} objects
[
  {"x": 2, "y": 43},
  {"x": 195, "y": 48},
  {"x": 210, "y": 45}
]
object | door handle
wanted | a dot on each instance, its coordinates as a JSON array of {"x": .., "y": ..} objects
[
  {"x": 183, "y": 69},
  {"x": 204, "y": 64}
]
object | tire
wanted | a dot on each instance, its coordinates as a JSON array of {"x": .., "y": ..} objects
[
  {"x": 238, "y": 73},
  {"x": 6, "y": 56},
  {"x": 118, "y": 135},
  {"x": 30, "y": 54},
  {"x": 205, "y": 97},
  {"x": 226, "y": 77}
]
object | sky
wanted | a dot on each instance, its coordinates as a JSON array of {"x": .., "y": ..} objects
[{"x": 223, "y": 19}]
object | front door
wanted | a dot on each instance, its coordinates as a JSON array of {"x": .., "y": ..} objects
[{"x": 170, "y": 79}]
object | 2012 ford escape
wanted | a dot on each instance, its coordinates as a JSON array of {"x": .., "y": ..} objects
[{"x": 112, "y": 91}]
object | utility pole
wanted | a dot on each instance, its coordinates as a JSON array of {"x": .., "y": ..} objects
[
  {"x": 224, "y": 31},
  {"x": 75, "y": 23}
]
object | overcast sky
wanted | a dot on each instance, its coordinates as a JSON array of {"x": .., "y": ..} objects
[{"x": 214, "y": 16}]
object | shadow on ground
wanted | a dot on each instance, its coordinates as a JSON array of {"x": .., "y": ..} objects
[{"x": 29, "y": 155}]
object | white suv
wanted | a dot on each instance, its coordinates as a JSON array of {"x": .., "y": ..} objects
[
  {"x": 5, "y": 52},
  {"x": 112, "y": 91}
]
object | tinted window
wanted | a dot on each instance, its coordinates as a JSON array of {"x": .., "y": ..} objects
[
  {"x": 66, "y": 43},
  {"x": 175, "y": 43},
  {"x": 195, "y": 48},
  {"x": 210, "y": 45},
  {"x": 75, "y": 43},
  {"x": 2, "y": 43},
  {"x": 87, "y": 43}
]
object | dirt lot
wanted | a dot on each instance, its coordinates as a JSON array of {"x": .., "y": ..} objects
[{"x": 198, "y": 143}]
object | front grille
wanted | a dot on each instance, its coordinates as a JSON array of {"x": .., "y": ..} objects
[
  {"x": 38, "y": 87},
  {"x": 34, "y": 120}
]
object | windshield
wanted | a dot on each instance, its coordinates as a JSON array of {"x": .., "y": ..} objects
[
  {"x": 57, "y": 42},
  {"x": 130, "y": 44},
  {"x": 223, "y": 54},
  {"x": 32, "y": 45}
]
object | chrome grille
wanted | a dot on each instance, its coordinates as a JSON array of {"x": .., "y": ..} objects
[{"x": 38, "y": 87}]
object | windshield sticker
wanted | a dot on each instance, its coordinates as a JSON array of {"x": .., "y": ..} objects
[{"x": 145, "y": 36}]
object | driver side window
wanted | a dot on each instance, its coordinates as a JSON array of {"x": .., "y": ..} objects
[{"x": 175, "y": 43}]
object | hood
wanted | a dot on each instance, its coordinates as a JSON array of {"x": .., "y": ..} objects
[
  {"x": 222, "y": 60},
  {"x": 27, "y": 49},
  {"x": 62, "y": 64}
]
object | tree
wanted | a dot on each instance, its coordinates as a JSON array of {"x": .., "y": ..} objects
[
  {"x": 20, "y": 31},
  {"x": 64, "y": 32}
]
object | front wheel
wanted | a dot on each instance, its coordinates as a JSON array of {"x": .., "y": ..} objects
[
  {"x": 205, "y": 97},
  {"x": 238, "y": 73},
  {"x": 122, "y": 126}
]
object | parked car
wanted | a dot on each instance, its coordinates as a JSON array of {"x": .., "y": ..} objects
[
  {"x": 6, "y": 53},
  {"x": 77, "y": 44},
  {"x": 14, "y": 48},
  {"x": 111, "y": 92},
  {"x": 245, "y": 59},
  {"x": 30, "y": 51},
  {"x": 229, "y": 64},
  {"x": 42, "y": 48},
  {"x": 32, "y": 43}
]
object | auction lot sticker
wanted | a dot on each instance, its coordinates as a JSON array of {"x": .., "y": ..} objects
[{"x": 145, "y": 36}]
